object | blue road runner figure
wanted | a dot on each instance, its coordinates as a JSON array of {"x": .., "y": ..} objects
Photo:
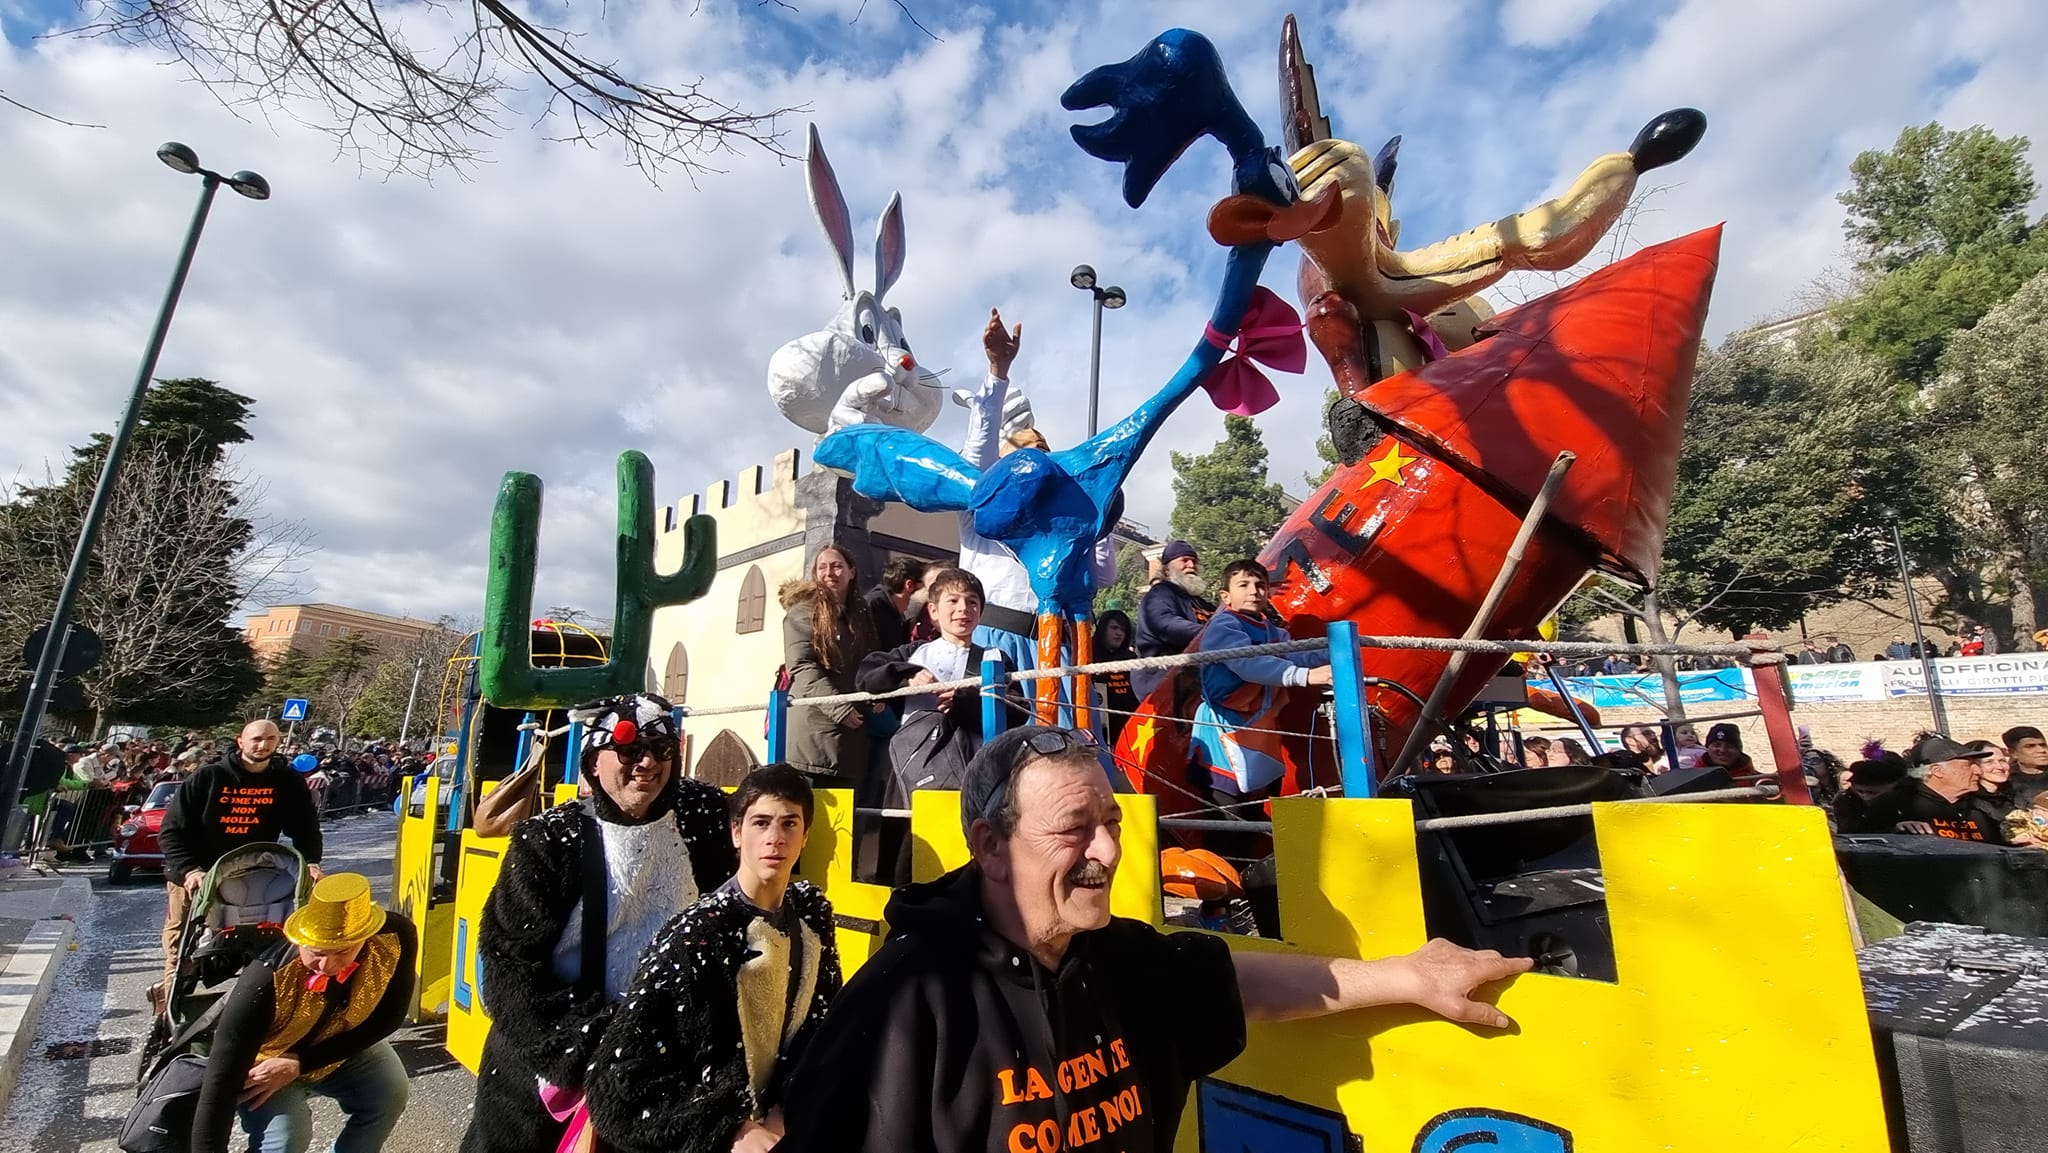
[{"x": 1050, "y": 508}]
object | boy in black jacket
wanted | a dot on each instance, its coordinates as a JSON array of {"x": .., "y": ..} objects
[
  {"x": 940, "y": 731},
  {"x": 247, "y": 795},
  {"x": 726, "y": 997}
]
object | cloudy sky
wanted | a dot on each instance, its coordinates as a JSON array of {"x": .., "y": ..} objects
[{"x": 407, "y": 341}]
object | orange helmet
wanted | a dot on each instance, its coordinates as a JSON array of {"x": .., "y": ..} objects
[{"x": 1198, "y": 875}]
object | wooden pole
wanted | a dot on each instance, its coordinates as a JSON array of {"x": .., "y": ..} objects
[{"x": 1510, "y": 565}]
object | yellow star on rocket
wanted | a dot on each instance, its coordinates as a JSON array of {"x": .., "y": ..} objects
[
  {"x": 1141, "y": 741},
  {"x": 1388, "y": 467}
]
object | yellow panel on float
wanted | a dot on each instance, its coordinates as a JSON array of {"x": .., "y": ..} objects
[
  {"x": 412, "y": 886},
  {"x": 1737, "y": 981},
  {"x": 827, "y": 862},
  {"x": 468, "y": 1023}
]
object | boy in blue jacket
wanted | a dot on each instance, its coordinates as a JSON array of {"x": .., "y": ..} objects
[{"x": 1245, "y": 693}]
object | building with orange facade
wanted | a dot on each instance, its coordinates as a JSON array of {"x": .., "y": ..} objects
[{"x": 308, "y": 628}]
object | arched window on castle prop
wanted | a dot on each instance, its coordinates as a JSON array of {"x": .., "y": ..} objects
[
  {"x": 753, "y": 602},
  {"x": 675, "y": 678}
]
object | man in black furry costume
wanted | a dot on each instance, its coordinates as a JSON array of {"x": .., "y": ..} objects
[
  {"x": 650, "y": 843},
  {"x": 726, "y": 999}
]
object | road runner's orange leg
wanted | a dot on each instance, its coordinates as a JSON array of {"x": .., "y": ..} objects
[
  {"x": 1050, "y": 630},
  {"x": 1084, "y": 652}
]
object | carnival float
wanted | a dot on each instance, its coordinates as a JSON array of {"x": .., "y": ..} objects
[{"x": 1492, "y": 461}]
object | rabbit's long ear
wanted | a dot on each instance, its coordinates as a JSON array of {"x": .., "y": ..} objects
[
  {"x": 830, "y": 205},
  {"x": 889, "y": 246}
]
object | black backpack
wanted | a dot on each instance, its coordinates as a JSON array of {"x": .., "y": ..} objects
[{"x": 161, "y": 1119}]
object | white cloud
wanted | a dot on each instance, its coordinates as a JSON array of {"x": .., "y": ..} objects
[
  {"x": 408, "y": 342},
  {"x": 1547, "y": 23}
]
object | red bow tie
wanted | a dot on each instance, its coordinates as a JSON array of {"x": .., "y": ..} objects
[{"x": 318, "y": 981}]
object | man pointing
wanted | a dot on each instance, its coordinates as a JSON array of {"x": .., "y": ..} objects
[{"x": 1010, "y": 1011}]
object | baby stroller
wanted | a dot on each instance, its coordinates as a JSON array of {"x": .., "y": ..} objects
[{"x": 238, "y": 913}]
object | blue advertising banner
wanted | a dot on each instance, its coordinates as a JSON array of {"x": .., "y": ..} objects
[
  {"x": 1647, "y": 690},
  {"x": 1834, "y": 683}
]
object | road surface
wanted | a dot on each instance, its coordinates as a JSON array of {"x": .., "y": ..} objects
[{"x": 78, "y": 1078}]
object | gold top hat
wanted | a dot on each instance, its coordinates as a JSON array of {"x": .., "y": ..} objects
[{"x": 339, "y": 913}]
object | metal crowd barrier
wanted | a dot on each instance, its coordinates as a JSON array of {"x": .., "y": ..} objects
[
  {"x": 351, "y": 796},
  {"x": 79, "y": 821}
]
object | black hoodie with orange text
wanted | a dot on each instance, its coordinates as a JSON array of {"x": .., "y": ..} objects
[
  {"x": 224, "y": 806},
  {"x": 952, "y": 1039}
]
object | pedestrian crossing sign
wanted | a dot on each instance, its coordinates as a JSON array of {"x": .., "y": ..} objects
[{"x": 294, "y": 710}]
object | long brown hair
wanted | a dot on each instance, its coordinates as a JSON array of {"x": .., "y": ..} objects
[{"x": 842, "y": 632}]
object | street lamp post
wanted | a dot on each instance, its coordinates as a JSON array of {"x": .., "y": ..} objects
[
  {"x": 182, "y": 159},
  {"x": 1083, "y": 278},
  {"x": 405, "y": 727},
  {"x": 1934, "y": 702}
]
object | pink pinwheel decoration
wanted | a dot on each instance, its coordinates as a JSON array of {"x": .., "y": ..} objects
[{"x": 1270, "y": 335}]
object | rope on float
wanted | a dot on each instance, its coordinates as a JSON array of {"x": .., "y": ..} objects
[{"x": 1760, "y": 651}]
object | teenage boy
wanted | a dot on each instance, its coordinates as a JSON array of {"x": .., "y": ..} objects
[
  {"x": 727, "y": 996},
  {"x": 2029, "y": 754},
  {"x": 1242, "y": 695},
  {"x": 941, "y": 731}
]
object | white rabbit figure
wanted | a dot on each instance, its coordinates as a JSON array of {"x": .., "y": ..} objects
[{"x": 860, "y": 369}]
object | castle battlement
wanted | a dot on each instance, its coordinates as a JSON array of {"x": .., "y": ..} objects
[{"x": 760, "y": 506}]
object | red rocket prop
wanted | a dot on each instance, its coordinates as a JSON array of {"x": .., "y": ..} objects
[{"x": 1407, "y": 541}]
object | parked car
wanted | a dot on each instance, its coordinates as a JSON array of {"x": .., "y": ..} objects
[{"x": 135, "y": 843}]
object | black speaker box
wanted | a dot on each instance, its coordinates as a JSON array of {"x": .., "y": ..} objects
[
  {"x": 1531, "y": 889},
  {"x": 1704, "y": 779},
  {"x": 1962, "y": 1043},
  {"x": 1959, "y": 882}
]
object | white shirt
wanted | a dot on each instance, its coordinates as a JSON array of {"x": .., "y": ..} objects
[{"x": 943, "y": 659}]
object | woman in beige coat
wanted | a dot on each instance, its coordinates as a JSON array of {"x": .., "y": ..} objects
[{"x": 826, "y": 631}]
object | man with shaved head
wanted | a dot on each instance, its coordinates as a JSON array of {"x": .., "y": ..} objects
[{"x": 247, "y": 794}]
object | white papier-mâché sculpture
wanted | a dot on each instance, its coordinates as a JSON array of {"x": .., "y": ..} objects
[{"x": 860, "y": 369}]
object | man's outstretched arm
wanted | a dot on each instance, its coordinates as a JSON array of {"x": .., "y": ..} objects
[{"x": 1440, "y": 977}]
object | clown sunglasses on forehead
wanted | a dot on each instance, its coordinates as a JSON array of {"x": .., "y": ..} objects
[{"x": 1046, "y": 743}]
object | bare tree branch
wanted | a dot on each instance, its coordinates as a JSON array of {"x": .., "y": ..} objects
[
  {"x": 34, "y": 111},
  {"x": 900, "y": 7},
  {"x": 417, "y": 109}
]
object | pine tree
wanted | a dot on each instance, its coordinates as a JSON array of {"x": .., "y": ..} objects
[
  {"x": 1326, "y": 450},
  {"x": 1939, "y": 223},
  {"x": 1130, "y": 583},
  {"x": 343, "y": 672},
  {"x": 1222, "y": 503},
  {"x": 167, "y": 569}
]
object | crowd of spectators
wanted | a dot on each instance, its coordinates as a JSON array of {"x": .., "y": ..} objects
[
  {"x": 1981, "y": 790},
  {"x": 78, "y": 814},
  {"x": 344, "y": 782},
  {"x": 1994, "y": 792}
]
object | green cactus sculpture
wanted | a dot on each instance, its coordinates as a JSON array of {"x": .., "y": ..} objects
[{"x": 508, "y": 676}]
